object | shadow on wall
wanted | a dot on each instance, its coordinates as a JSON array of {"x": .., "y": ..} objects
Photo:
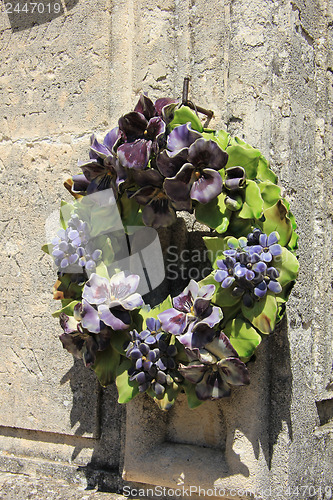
[
  {"x": 97, "y": 416},
  {"x": 280, "y": 385},
  {"x": 103, "y": 418},
  {"x": 24, "y": 14}
]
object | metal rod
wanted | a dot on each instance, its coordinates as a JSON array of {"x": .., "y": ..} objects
[
  {"x": 185, "y": 89},
  {"x": 198, "y": 109}
]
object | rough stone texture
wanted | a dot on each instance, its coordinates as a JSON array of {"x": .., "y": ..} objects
[{"x": 265, "y": 68}]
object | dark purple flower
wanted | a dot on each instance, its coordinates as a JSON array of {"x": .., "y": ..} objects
[
  {"x": 80, "y": 342},
  {"x": 192, "y": 319},
  {"x": 141, "y": 130},
  {"x": 103, "y": 170},
  {"x": 159, "y": 210},
  {"x": 213, "y": 372},
  {"x": 198, "y": 178}
]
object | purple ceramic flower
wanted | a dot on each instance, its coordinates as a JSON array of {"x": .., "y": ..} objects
[
  {"x": 269, "y": 246},
  {"x": 109, "y": 301},
  {"x": 198, "y": 178},
  {"x": 141, "y": 130},
  {"x": 192, "y": 319},
  {"x": 103, "y": 170},
  {"x": 245, "y": 270},
  {"x": 159, "y": 210},
  {"x": 214, "y": 369},
  {"x": 80, "y": 342},
  {"x": 152, "y": 357}
]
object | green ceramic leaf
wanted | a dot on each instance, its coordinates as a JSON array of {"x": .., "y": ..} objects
[
  {"x": 127, "y": 390},
  {"x": 276, "y": 219},
  {"x": 106, "y": 365},
  {"x": 253, "y": 203},
  {"x": 234, "y": 202},
  {"x": 215, "y": 247},
  {"x": 230, "y": 313},
  {"x": 214, "y": 214},
  {"x": 130, "y": 211},
  {"x": 147, "y": 312},
  {"x": 67, "y": 309},
  {"x": 263, "y": 314},
  {"x": 221, "y": 137},
  {"x": 66, "y": 210},
  {"x": 223, "y": 297},
  {"x": 169, "y": 397},
  {"x": 287, "y": 265},
  {"x": 118, "y": 340},
  {"x": 102, "y": 270},
  {"x": 184, "y": 115},
  {"x": 293, "y": 243},
  {"x": 243, "y": 337},
  {"x": 47, "y": 248},
  {"x": 243, "y": 155},
  {"x": 104, "y": 243},
  {"x": 192, "y": 400},
  {"x": 270, "y": 193},
  {"x": 264, "y": 173},
  {"x": 239, "y": 227},
  {"x": 104, "y": 219}
]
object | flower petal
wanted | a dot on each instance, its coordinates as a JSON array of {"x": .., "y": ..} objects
[
  {"x": 158, "y": 214},
  {"x": 221, "y": 347},
  {"x": 275, "y": 250},
  {"x": 214, "y": 317},
  {"x": 234, "y": 371},
  {"x": 90, "y": 318},
  {"x": 274, "y": 286},
  {"x": 185, "y": 300},
  {"x": 111, "y": 138},
  {"x": 212, "y": 386},
  {"x": 220, "y": 275},
  {"x": 207, "y": 291},
  {"x": 178, "y": 188},
  {"x": 132, "y": 302},
  {"x": 207, "y": 154},
  {"x": 134, "y": 154},
  {"x": 182, "y": 137},
  {"x": 156, "y": 126},
  {"x": 145, "y": 106},
  {"x": 173, "y": 321},
  {"x": 121, "y": 286},
  {"x": 207, "y": 187},
  {"x": 193, "y": 372},
  {"x": 197, "y": 337},
  {"x": 170, "y": 165},
  {"x": 97, "y": 290},
  {"x": 163, "y": 101},
  {"x": 110, "y": 319},
  {"x": 133, "y": 125}
]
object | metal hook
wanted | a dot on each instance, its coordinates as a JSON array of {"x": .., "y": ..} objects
[{"x": 198, "y": 109}]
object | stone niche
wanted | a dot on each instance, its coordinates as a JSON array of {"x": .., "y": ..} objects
[{"x": 220, "y": 447}]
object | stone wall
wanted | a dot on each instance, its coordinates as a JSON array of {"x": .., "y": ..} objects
[{"x": 265, "y": 68}]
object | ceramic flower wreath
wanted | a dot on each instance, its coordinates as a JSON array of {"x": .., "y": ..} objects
[{"x": 159, "y": 160}]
